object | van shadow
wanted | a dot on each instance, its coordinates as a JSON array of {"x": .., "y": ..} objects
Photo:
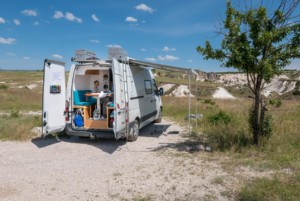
[
  {"x": 106, "y": 145},
  {"x": 154, "y": 129}
]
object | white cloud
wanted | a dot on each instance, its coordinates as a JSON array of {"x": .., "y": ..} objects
[
  {"x": 36, "y": 23},
  {"x": 118, "y": 46},
  {"x": 144, "y": 7},
  {"x": 190, "y": 60},
  {"x": 17, "y": 22},
  {"x": 10, "y": 54},
  {"x": 143, "y": 50},
  {"x": 58, "y": 15},
  {"x": 94, "y": 41},
  {"x": 26, "y": 58},
  {"x": 68, "y": 16},
  {"x": 7, "y": 41},
  {"x": 29, "y": 13},
  {"x": 57, "y": 56},
  {"x": 131, "y": 19},
  {"x": 167, "y": 49},
  {"x": 151, "y": 59},
  {"x": 2, "y": 20},
  {"x": 167, "y": 58},
  {"x": 95, "y": 18}
]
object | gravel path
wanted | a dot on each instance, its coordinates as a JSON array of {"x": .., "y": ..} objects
[{"x": 82, "y": 169}]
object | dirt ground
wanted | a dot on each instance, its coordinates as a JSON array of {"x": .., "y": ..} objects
[{"x": 152, "y": 168}]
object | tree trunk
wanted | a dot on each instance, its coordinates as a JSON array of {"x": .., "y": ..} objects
[
  {"x": 255, "y": 123},
  {"x": 256, "y": 111}
]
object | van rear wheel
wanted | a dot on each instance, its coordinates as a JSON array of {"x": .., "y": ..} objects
[{"x": 133, "y": 131}]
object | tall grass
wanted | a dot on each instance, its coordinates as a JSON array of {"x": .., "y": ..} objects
[
  {"x": 21, "y": 99},
  {"x": 18, "y": 127}
]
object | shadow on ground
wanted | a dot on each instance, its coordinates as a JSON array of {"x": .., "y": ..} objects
[
  {"x": 190, "y": 146},
  {"x": 106, "y": 145}
]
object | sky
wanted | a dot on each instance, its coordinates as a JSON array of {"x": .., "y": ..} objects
[{"x": 161, "y": 31}]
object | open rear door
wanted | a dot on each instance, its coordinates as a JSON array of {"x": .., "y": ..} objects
[
  {"x": 119, "y": 115},
  {"x": 54, "y": 97}
]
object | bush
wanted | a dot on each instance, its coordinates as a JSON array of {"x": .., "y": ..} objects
[
  {"x": 209, "y": 101},
  {"x": 296, "y": 93},
  {"x": 275, "y": 102},
  {"x": 14, "y": 113},
  {"x": 3, "y": 86},
  {"x": 220, "y": 117}
]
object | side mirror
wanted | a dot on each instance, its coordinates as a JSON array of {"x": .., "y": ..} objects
[{"x": 160, "y": 92}]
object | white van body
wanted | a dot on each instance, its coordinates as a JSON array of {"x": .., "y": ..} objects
[{"x": 135, "y": 101}]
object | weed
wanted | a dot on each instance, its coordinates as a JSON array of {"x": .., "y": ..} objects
[{"x": 220, "y": 117}]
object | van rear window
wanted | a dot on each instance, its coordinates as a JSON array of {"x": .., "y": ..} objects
[{"x": 148, "y": 87}]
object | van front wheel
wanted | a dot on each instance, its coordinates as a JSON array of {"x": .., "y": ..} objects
[
  {"x": 133, "y": 131},
  {"x": 158, "y": 120}
]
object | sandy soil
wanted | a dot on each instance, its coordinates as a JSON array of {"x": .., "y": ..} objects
[
  {"x": 222, "y": 93},
  {"x": 153, "y": 167},
  {"x": 181, "y": 91},
  {"x": 167, "y": 87}
]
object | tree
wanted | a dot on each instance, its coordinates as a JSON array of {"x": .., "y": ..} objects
[{"x": 259, "y": 41}]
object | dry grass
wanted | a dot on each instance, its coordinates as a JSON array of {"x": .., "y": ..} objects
[{"x": 233, "y": 140}]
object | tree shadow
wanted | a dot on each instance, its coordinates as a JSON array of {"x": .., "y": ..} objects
[
  {"x": 156, "y": 130},
  {"x": 189, "y": 146}
]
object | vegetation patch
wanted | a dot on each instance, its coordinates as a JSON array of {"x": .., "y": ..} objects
[
  {"x": 18, "y": 127},
  {"x": 285, "y": 188}
]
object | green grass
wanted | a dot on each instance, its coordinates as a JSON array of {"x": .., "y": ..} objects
[
  {"x": 17, "y": 127},
  {"x": 278, "y": 188}
]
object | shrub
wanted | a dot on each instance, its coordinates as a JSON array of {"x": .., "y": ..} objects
[
  {"x": 296, "y": 93},
  {"x": 3, "y": 86},
  {"x": 209, "y": 101},
  {"x": 275, "y": 102},
  {"x": 14, "y": 113},
  {"x": 220, "y": 117}
]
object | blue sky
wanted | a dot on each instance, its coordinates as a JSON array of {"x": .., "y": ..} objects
[{"x": 162, "y": 31}]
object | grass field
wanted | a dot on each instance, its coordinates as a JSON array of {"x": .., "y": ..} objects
[{"x": 229, "y": 135}]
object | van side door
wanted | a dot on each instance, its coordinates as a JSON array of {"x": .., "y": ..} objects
[{"x": 54, "y": 97}]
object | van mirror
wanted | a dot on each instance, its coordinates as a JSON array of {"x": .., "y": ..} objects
[{"x": 160, "y": 92}]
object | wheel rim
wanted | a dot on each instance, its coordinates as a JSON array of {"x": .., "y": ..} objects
[{"x": 135, "y": 129}]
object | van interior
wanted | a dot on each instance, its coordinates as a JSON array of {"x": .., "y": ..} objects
[{"x": 93, "y": 98}]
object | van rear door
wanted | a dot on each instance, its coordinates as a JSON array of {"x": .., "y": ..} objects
[
  {"x": 54, "y": 97},
  {"x": 119, "y": 99}
]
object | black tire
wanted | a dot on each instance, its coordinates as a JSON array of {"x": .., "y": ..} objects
[
  {"x": 134, "y": 131},
  {"x": 158, "y": 120}
]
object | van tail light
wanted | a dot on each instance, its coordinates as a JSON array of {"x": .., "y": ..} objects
[{"x": 67, "y": 110}]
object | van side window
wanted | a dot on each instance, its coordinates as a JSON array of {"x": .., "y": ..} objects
[{"x": 148, "y": 87}]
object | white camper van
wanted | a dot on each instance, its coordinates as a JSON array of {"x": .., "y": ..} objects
[{"x": 128, "y": 98}]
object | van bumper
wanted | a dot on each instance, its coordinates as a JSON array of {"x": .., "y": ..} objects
[{"x": 91, "y": 133}]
